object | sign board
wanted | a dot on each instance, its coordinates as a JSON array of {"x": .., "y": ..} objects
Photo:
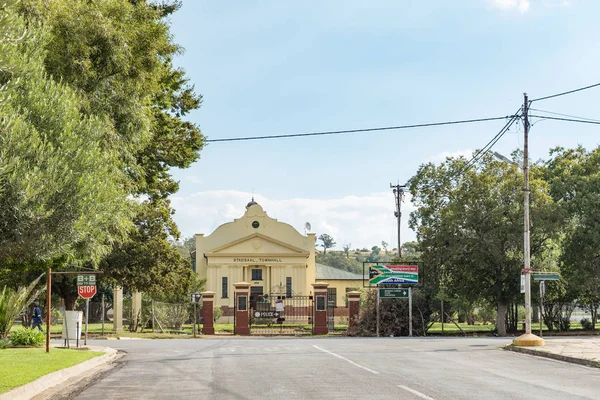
[
  {"x": 546, "y": 276},
  {"x": 266, "y": 314},
  {"x": 279, "y": 305},
  {"x": 86, "y": 285},
  {"x": 393, "y": 293},
  {"x": 86, "y": 280},
  {"x": 195, "y": 297},
  {"x": 399, "y": 274},
  {"x": 87, "y": 292},
  {"x": 522, "y": 283}
]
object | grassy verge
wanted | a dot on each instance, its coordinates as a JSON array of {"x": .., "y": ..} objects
[{"x": 21, "y": 366}]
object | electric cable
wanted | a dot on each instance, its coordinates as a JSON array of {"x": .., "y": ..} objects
[
  {"x": 565, "y": 93},
  {"x": 386, "y": 128}
]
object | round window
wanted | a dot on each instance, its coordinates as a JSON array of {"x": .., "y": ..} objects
[{"x": 255, "y": 224}]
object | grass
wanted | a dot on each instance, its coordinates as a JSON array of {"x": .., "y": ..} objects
[{"x": 21, "y": 366}]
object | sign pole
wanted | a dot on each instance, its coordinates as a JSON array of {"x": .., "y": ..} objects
[
  {"x": 409, "y": 311},
  {"x": 194, "y": 319},
  {"x": 87, "y": 315},
  {"x": 103, "y": 314},
  {"x": 442, "y": 317},
  {"x": 48, "y": 305},
  {"x": 377, "y": 312},
  {"x": 542, "y": 289}
]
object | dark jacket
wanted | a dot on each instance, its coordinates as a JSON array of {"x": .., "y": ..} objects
[{"x": 37, "y": 315}]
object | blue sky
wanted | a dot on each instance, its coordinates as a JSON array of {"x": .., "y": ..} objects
[{"x": 278, "y": 67}]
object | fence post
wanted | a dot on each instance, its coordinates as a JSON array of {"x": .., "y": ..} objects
[
  {"x": 242, "y": 309},
  {"x": 353, "y": 308},
  {"x": 320, "y": 308},
  {"x": 208, "y": 299}
]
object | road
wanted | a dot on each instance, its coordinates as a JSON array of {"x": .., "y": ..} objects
[{"x": 337, "y": 368}]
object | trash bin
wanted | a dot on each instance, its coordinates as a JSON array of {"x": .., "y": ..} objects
[{"x": 71, "y": 328}]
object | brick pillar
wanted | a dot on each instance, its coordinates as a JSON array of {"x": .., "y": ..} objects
[
  {"x": 320, "y": 308},
  {"x": 118, "y": 309},
  {"x": 242, "y": 308},
  {"x": 208, "y": 302},
  {"x": 353, "y": 308}
]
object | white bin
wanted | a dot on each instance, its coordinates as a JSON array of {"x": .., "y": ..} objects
[{"x": 72, "y": 325}]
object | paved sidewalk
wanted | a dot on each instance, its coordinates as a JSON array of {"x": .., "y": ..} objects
[{"x": 578, "y": 350}]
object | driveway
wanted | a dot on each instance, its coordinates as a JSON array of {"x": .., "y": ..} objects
[{"x": 337, "y": 368}]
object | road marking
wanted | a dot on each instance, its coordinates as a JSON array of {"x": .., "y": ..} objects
[
  {"x": 418, "y": 394},
  {"x": 345, "y": 359}
]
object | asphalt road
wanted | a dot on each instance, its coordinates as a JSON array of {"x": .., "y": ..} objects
[{"x": 337, "y": 368}]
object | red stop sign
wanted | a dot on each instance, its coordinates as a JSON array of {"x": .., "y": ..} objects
[{"x": 87, "y": 292}]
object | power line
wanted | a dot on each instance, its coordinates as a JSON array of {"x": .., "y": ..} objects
[
  {"x": 567, "y": 119},
  {"x": 564, "y": 115},
  {"x": 386, "y": 128},
  {"x": 489, "y": 144},
  {"x": 564, "y": 93}
]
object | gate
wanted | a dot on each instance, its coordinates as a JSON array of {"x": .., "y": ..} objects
[{"x": 275, "y": 314}]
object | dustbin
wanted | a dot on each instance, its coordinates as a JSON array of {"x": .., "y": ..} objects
[{"x": 71, "y": 328}]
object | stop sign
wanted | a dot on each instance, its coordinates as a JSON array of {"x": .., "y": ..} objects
[{"x": 87, "y": 291}]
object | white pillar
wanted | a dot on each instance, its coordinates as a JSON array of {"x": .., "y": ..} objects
[
  {"x": 118, "y": 308},
  {"x": 136, "y": 307}
]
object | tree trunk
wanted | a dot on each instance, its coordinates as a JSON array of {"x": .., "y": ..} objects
[
  {"x": 70, "y": 302},
  {"x": 502, "y": 309}
]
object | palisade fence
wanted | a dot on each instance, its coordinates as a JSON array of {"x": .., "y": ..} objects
[{"x": 160, "y": 317}]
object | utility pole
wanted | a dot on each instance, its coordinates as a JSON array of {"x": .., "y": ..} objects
[
  {"x": 528, "y": 339},
  {"x": 399, "y": 196}
]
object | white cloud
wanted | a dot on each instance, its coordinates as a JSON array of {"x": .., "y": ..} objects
[
  {"x": 441, "y": 157},
  {"x": 521, "y": 5},
  {"x": 362, "y": 220}
]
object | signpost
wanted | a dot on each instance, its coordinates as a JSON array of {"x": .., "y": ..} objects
[
  {"x": 195, "y": 298},
  {"x": 266, "y": 314},
  {"x": 393, "y": 293},
  {"x": 394, "y": 274},
  {"x": 543, "y": 277},
  {"x": 86, "y": 287},
  {"x": 546, "y": 276},
  {"x": 398, "y": 274}
]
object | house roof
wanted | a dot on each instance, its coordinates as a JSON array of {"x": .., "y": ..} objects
[{"x": 325, "y": 272}]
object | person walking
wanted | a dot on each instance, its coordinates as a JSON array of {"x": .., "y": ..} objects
[{"x": 36, "y": 321}]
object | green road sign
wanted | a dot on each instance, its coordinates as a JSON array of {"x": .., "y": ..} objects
[
  {"x": 86, "y": 280},
  {"x": 393, "y": 293},
  {"x": 546, "y": 276}
]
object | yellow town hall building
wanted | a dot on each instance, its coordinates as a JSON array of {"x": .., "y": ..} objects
[{"x": 270, "y": 255}]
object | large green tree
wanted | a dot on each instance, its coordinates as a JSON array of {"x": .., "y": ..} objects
[
  {"x": 574, "y": 175},
  {"x": 117, "y": 55},
  {"x": 61, "y": 186},
  {"x": 469, "y": 223}
]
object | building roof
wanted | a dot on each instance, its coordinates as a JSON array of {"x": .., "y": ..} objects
[{"x": 325, "y": 272}]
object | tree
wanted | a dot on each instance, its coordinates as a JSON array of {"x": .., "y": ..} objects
[
  {"x": 574, "y": 176},
  {"x": 385, "y": 245},
  {"x": 117, "y": 55},
  {"x": 327, "y": 241},
  {"x": 347, "y": 249},
  {"x": 469, "y": 223},
  {"x": 61, "y": 187}
]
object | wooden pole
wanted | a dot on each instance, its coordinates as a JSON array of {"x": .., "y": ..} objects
[{"x": 48, "y": 307}]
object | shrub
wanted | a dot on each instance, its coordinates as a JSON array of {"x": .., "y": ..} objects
[
  {"x": 217, "y": 313},
  {"x": 27, "y": 337},
  {"x": 586, "y": 324},
  {"x": 13, "y": 303},
  {"x": 5, "y": 343}
]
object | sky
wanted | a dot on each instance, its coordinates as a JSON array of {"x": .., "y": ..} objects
[{"x": 279, "y": 67}]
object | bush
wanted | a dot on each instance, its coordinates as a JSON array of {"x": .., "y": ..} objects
[
  {"x": 5, "y": 343},
  {"x": 217, "y": 313},
  {"x": 27, "y": 337},
  {"x": 586, "y": 324}
]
